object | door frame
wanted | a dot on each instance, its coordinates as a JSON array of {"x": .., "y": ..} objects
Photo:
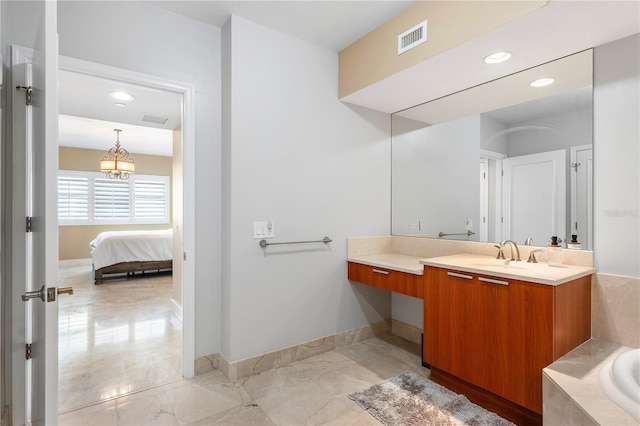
[
  {"x": 188, "y": 160},
  {"x": 587, "y": 240}
]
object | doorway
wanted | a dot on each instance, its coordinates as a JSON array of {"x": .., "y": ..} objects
[{"x": 171, "y": 358}]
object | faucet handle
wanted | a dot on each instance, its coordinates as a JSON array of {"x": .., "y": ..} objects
[
  {"x": 532, "y": 256},
  {"x": 500, "y": 253}
]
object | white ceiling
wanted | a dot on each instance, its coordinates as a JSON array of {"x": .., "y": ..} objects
[
  {"x": 89, "y": 114},
  {"x": 558, "y": 29},
  {"x": 572, "y": 87},
  {"x": 330, "y": 23}
]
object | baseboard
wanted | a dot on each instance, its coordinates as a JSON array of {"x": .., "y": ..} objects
[
  {"x": 268, "y": 361},
  {"x": 406, "y": 331},
  {"x": 75, "y": 262},
  {"x": 176, "y": 309},
  {"x": 7, "y": 417}
]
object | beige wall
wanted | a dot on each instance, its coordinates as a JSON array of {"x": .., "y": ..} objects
[
  {"x": 374, "y": 57},
  {"x": 73, "y": 240}
]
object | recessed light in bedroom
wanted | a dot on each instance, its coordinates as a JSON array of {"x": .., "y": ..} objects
[
  {"x": 541, "y": 82},
  {"x": 119, "y": 104},
  {"x": 122, "y": 96},
  {"x": 497, "y": 57}
]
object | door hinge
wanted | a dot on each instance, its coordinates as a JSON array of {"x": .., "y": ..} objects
[
  {"x": 29, "y": 91},
  {"x": 184, "y": 256},
  {"x": 28, "y": 351},
  {"x": 29, "y": 223}
]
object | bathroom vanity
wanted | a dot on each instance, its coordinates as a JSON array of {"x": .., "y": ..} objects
[
  {"x": 490, "y": 326},
  {"x": 393, "y": 272}
]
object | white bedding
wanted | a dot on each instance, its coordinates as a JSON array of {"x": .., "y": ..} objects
[{"x": 112, "y": 247}]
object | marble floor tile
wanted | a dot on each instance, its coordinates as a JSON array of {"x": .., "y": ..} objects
[
  {"x": 115, "y": 338},
  {"x": 312, "y": 391},
  {"x": 119, "y": 344},
  {"x": 242, "y": 415}
]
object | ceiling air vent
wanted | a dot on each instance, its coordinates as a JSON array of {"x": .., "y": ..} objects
[
  {"x": 412, "y": 37},
  {"x": 148, "y": 118}
]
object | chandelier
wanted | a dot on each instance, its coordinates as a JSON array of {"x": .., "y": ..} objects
[{"x": 117, "y": 164}]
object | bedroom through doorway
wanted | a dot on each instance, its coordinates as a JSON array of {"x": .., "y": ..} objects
[{"x": 124, "y": 334}]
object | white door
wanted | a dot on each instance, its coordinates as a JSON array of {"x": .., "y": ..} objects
[
  {"x": 534, "y": 197},
  {"x": 35, "y": 248},
  {"x": 582, "y": 195}
]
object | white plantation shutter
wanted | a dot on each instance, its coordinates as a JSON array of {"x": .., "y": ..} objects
[
  {"x": 151, "y": 200},
  {"x": 111, "y": 199},
  {"x": 73, "y": 199},
  {"x": 86, "y": 198}
]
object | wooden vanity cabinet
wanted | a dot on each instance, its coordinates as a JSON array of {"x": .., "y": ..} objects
[
  {"x": 388, "y": 279},
  {"x": 485, "y": 333}
]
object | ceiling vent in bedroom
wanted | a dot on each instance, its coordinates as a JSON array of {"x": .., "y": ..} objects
[
  {"x": 148, "y": 118},
  {"x": 412, "y": 37}
]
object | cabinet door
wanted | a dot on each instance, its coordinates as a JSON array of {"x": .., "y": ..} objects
[
  {"x": 450, "y": 322},
  {"x": 515, "y": 329}
]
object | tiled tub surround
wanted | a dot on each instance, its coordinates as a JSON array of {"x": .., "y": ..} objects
[
  {"x": 615, "y": 309},
  {"x": 571, "y": 392}
]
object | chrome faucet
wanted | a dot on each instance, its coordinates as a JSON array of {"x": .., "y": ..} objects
[
  {"x": 528, "y": 242},
  {"x": 514, "y": 247}
]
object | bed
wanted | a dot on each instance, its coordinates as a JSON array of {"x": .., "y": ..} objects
[{"x": 118, "y": 252}]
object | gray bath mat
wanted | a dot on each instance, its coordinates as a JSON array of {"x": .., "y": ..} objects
[{"x": 410, "y": 399}]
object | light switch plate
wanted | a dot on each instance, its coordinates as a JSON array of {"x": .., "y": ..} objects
[{"x": 263, "y": 230}]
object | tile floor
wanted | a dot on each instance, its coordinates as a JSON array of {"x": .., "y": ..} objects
[
  {"x": 115, "y": 338},
  {"x": 142, "y": 385},
  {"x": 313, "y": 391}
]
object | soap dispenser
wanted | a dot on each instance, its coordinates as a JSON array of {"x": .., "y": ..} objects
[
  {"x": 574, "y": 244},
  {"x": 554, "y": 256}
]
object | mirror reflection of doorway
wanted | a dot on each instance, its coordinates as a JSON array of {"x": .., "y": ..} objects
[{"x": 125, "y": 334}]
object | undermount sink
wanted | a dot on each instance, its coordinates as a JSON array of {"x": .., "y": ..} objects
[{"x": 501, "y": 263}]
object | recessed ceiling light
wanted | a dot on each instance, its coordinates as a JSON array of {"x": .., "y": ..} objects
[
  {"x": 122, "y": 96},
  {"x": 497, "y": 57},
  {"x": 541, "y": 82},
  {"x": 120, "y": 104}
]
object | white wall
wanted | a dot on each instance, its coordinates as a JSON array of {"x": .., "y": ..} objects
[
  {"x": 146, "y": 39},
  {"x": 617, "y": 157},
  {"x": 315, "y": 166},
  {"x": 425, "y": 186}
]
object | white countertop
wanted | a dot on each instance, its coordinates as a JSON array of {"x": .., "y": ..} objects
[
  {"x": 396, "y": 262},
  {"x": 540, "y": 273}
]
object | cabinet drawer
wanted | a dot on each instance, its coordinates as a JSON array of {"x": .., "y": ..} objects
[{"x": 388, "y": 279}]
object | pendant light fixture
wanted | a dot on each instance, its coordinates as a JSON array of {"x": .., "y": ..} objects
[{"x": 117, "y": 164}]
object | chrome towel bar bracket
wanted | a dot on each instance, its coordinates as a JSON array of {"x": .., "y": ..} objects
[{"x": 264, "y": 243}]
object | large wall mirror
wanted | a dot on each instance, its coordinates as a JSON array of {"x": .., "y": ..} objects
[{"x": 502, "y": 160}]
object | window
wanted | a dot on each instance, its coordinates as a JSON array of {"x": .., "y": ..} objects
[{"x": 86, "y": 198}]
